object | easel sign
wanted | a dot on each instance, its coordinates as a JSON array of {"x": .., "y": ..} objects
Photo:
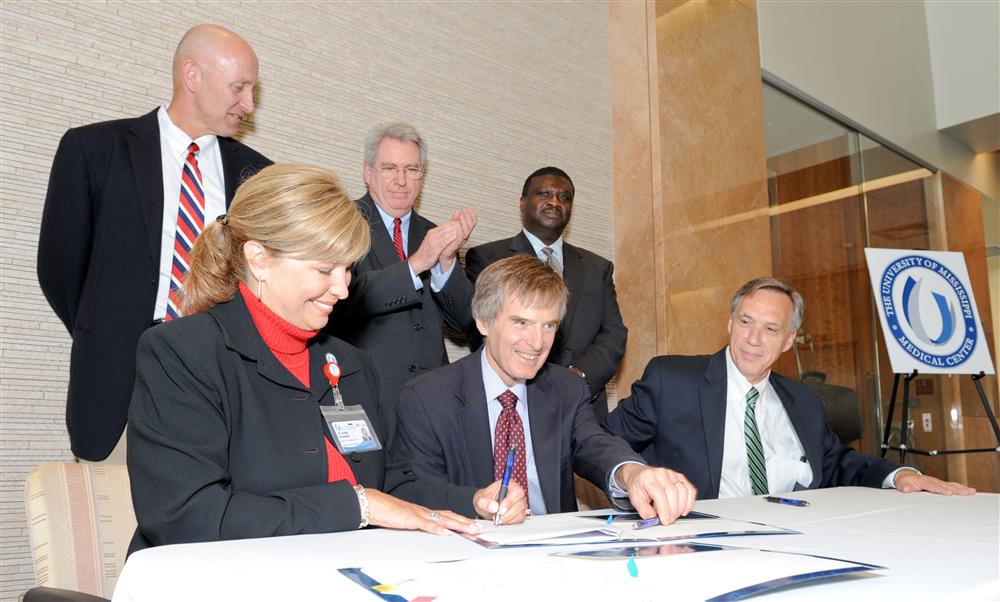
[
  {"x": 928, "y": 312},
  {"x": 931, "y": 326}
]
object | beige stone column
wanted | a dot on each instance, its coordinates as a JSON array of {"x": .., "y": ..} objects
[{"x": 690, "y": 188}]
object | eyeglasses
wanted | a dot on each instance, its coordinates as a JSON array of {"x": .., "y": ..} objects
[{"x": 387, "y": 172}]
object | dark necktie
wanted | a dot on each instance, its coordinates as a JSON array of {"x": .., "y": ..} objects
[
  {"x": 397, "y": 238},
  {"x": 510, "y": 431},
  {"x": 190, "y": 223}
]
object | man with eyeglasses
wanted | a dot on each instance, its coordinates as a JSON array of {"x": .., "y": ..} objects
[{"x": 410, "y": 284}]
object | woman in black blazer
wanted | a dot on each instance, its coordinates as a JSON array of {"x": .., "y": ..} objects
[{"x": 227, "y": 438}]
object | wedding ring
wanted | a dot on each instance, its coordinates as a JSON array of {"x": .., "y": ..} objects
[{"x": 435, "y": 516}]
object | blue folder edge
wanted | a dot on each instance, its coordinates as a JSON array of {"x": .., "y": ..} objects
[
  {"x": 361, "y": 578},
  {"x": 753, "y": 590}
]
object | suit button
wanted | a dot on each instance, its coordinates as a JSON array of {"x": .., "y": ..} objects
[
  {"x": 412, "y": 368},
  {"x": 417, "y": 327},
  {"x": 355, "y": 457}
]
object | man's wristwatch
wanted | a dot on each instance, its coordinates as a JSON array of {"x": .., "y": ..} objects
[{"x": 578, "y": 371}]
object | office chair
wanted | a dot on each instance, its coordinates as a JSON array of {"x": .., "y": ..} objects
[
  {"x": 841, "y": 406},
  {"x": 80, "y": 522}
]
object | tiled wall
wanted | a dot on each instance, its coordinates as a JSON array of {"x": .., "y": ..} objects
[{"x": 497, "y": 89}]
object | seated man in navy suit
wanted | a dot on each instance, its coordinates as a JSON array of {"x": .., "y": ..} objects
[
  {"x": 457, "y": 423},
  {"x": 736, "y": 428}
]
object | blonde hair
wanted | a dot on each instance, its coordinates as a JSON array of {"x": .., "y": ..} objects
[
  {"x": 523, "y": 277},
  {"x": 289, "y": 209}
]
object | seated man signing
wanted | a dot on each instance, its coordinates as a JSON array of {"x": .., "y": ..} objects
[
  {"x": 737, "y": 428},
  {"x": 457, "y": 423}
]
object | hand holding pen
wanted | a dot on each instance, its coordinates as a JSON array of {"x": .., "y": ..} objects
[{"x": 510, "y": 509}]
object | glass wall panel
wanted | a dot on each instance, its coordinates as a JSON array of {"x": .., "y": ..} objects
[{"x": 832, "y": 192}]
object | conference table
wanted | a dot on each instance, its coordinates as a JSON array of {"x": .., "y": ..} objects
[{"x": 932, "y": 547}]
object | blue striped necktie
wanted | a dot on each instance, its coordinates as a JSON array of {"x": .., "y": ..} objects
[
  {"x": 755, "y": 451},
  {"x": 190, "y": 223}
]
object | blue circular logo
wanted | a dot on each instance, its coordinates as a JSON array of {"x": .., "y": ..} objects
[{"x": 928, "y": 311}]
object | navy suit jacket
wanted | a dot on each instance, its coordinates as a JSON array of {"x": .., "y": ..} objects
[
  {"x": 444, "y": 431},
  {"x": 592, "y": 335},
  {"x": 676, "y": 418},
  {"x": 400, "y": 327},
  {"x": 99, "y": 261}
]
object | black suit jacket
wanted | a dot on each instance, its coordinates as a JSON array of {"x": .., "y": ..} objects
[
  {"x": 402, "y": 328},
  {"x": 98, "y": 261},
  {"x": 444, "y": 431},
  {"x": 676, "y": 418},
  {"x": 592, "y": 335},
  {"x": 225, "y": 443}
]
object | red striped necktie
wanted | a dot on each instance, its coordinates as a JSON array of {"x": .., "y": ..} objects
[
  {"x": 190, "y": 223},
  {"x": 397, "y": 238}
]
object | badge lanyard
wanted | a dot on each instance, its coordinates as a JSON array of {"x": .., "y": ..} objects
[{"x": 351, "y": 429}]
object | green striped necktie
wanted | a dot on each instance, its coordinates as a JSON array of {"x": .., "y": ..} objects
[{"x": 755, "y": 451}]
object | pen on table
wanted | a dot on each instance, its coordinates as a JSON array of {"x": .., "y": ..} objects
[
  {"x": 507, "y": 469},
  {"x": 646, "y": 523},
  {"x": 786, "y": 500}
]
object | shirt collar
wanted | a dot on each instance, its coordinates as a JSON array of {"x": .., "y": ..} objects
[
  {"x": 494, "y": 385},
  {"x": 177, "y": 140},
  {"x": 388, "y": 219},
  {"x": 538, "y": 245},
  {"x": 739, "y": 382}
]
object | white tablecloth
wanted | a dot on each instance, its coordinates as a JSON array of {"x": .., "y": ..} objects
[{"x": 935, "y": 548}]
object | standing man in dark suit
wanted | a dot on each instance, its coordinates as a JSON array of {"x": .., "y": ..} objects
[
  {"x": 457, "y": 423},
  {"x": 736, "y": 428},
  {"x": 591, "y": 339},
  {"x": 121, "y": 212},
  {"x": 410, "y": 284}
]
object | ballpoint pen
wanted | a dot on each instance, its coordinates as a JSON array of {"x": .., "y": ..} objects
[
  {"x": 507, "y": 469},
  {"x": 786, "y": 500}
]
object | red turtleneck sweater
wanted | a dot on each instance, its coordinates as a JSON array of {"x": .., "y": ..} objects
[{"x": 288, "y": 344}]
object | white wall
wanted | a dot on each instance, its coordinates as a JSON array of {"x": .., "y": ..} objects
[
  {"x": 965, "y": 59},
  {"x": 871, "y": 61},
  {"x": 497, "y": 89}
]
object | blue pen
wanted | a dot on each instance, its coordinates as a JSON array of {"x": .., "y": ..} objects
[
  {"x": 646, "y": 523},
  {"x": 507, "y": 469},
  {"x": 786, "y": 500}
]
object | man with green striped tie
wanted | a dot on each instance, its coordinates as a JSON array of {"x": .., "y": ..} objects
[{"x": 734, "y": 427}]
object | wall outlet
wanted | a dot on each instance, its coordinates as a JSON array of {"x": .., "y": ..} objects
[{"x": 927, "y": 422}]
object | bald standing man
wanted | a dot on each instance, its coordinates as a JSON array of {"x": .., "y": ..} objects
[{"x": 125, "y": 201}]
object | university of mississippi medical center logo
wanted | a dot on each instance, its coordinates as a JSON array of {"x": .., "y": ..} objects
[{"x": 928, "y": 311}]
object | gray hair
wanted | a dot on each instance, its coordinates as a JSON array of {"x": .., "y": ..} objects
[
  {"x": 774, "y": 284},
  {"x": 522, "y": 277},
  {"x": 398, "y": 131}
]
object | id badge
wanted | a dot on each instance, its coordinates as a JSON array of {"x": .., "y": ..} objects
[{"x": 351, "y": 429}]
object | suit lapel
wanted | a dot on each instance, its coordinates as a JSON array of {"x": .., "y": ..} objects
[
  {"x": 474, "y": 418},
  {"x": 232, "y": 178},
  {"x": 713, "y": 415},
  {"x": 546, "y": 440},
  {"x": 418, "y": 230},
  {"x": 814, "y": 457},
  {"x": 382, "y": 249},
  {"x": 573, "y": 276},
  {"x": 147, "y": 170}
]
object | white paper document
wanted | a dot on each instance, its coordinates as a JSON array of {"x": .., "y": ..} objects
[
  {"x": 569, "y": 529},
  {"x": 708, "y": 573}
]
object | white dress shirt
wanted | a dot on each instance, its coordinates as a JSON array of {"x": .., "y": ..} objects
[
  {"x": 784, "y": 455},
  {"x": 494, "y": 386},
  {"x": 538, "y": 245},
  {"x": 173, "y": 153},
  {"x": 438, "y": 277}
]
